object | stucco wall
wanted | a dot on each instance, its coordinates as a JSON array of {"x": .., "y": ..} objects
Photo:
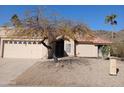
[
  {"x": 39, "y": 51},
  {"x": 86, "y": 50},
  {"x": 69, "y": 47}
]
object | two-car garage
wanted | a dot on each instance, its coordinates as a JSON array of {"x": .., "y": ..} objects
[{"x": 23, "y": 49}]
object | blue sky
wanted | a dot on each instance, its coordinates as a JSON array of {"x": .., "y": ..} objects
[{"x": 93, "y": 16}]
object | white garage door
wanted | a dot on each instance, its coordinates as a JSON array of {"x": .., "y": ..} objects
[
  {"x": 85, "y": 50},
  {"x": 24, "y": 49}
]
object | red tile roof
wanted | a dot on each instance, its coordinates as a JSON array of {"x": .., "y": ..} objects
[{"x": 92, "y": 40}]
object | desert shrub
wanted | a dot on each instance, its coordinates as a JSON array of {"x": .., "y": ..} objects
[
  {"x": 105, "y": 51},
  {"x": 117, "y": 49}
]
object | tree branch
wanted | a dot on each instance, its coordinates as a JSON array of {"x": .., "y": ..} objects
[{"x": 48, "y": 47}]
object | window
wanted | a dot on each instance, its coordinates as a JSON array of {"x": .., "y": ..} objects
[
  {"x": 39, "y": 42},
  {"x": 34, "y": 42},
  {"x": 15, "y": 42},
  {"x": 24, "y": 42},
  {"x": 29, "y": 42},
  {"x": 6, "y": 41},
  {"x": 68, "y": 48},
  {"x": 19, "y": 42},
  {"x": 10, "y": 42}
]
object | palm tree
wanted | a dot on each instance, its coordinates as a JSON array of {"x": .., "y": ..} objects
[{"x": 111, "y": 19}]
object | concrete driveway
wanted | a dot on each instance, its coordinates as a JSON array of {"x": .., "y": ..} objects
[{"x": 11, "y": 68}]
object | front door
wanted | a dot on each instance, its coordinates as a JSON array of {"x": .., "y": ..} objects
[{"x": 59, "y": 48}]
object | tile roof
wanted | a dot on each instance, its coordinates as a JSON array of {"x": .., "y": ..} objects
[
  {"x": 88, "y": 38},
  {"x": 92, "y": 40}
]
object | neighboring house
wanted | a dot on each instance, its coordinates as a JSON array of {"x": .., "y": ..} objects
[{"x": 31, "y": 48}]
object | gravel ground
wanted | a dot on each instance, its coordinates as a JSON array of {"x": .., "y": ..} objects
[{"x": 84, "y": 72}]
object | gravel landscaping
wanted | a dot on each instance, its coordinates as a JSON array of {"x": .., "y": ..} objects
[{"x": 84, "y": 72}]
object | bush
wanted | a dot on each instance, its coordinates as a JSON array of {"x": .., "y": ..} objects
[
  {"x": 105, "y": 51},
  {"x": 117, "y": 49}
]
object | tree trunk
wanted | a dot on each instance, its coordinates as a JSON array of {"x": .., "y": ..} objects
[
  {"x": 51, "y": 49},
  {"x": 51, "y": 52},
  {"x": 51, "y": 43}
]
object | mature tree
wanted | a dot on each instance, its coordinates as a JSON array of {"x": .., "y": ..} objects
[{"x": 40, "y": 26}]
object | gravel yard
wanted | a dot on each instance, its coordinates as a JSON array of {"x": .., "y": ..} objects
[{"x": 84, "y": 72}]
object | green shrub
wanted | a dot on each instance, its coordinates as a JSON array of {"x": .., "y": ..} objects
[{"x": 105, "y": 51}]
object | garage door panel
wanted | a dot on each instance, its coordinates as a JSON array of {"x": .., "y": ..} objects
[
  {"x": 84, "y": 50},
  {"x": 23, "y": 50}
]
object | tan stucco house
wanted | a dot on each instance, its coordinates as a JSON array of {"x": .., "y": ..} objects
[{"x": 31, "y": 48}]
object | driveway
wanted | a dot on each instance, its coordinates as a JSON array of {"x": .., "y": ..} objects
[{"x": 11, "y": 68}]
